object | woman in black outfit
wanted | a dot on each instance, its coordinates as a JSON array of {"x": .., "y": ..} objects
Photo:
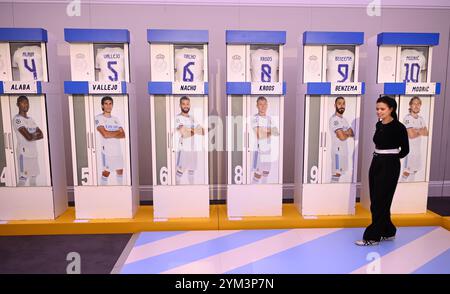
[{"x": 391, "y": 144}]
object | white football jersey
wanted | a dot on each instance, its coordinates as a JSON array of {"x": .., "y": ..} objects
[
  {"x": 185, "y": 144},
  {"x": 29, "y": 61},
  {"x": 265, "y": 122},
  {"x": 110, "y": 61},
  {"x": 109, "y": 146},
  {"x": 337, "y": 145},
  {"x": 340, "y": 65},
  {"x": 264, "y": 65},
  {"x": 188, "y": 65},
  {"x": 25, "y": 147},
  {"x": 412, "y": 63},
  {"x": 415, "y": 123}
]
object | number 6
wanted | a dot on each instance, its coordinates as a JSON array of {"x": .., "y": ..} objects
[{"x": 164, "y": 176}]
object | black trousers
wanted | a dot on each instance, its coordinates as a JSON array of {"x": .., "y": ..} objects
[{"x": 383, "y": 177}]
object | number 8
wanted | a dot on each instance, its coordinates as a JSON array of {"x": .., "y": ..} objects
[{"x": 238, "y": 175}]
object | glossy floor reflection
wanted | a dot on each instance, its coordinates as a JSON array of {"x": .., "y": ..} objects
[{"x": 415, "y": 250}]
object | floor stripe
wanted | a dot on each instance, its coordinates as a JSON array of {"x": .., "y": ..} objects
[
  {"x": 237, "y": 257},
  {"x": 173, "y": 243},
  {"x": 438, "y": 265},
  {"x": 123, "y": 256},
  {"x": 148, "y": 237},
  {"x": 164, "y": 262},
  {"x": 411, "y": 256},
  {"x": 333, "y": 253}
]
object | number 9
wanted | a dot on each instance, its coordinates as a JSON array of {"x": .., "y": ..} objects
[{"x": 313, "y": 173}]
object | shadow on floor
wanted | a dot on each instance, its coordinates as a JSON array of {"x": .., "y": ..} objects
[{"x": 47, "y": 254}]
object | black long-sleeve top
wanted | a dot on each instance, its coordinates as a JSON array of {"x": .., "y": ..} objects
[{"x": 391, "y": 136}]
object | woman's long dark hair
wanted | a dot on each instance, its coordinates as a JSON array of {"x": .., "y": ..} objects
[{"x": 391, "y": 103}]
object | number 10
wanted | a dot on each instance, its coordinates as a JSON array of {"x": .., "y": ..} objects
[{"x": 412, "y": 72}]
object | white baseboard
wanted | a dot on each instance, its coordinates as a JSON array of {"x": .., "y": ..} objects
[{"x": 218, "y": 191}]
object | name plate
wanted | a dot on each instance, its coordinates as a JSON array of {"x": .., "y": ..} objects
[
  {"x": 17, "y": 87},
  {"x": 267, "y": 88},
  {"x": 105, "y": 87},
  {"x": 188, "y": 88},
  {"x": 420, "y": 88},
  {"x": 346, "y": 88}
]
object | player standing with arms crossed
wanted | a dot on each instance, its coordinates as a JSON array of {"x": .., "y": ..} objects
[
  {"x": 341, "y": 131},
  {"x": 111, "y": 132},
  {"x": 27, "y": 133},
  {"x": 416, "y": 127},
  {"x": 262, "y": 157},
  {"x": 186, "y": 128}
]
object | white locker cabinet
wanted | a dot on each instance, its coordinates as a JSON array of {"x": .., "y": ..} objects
[
  {"x": 103, "y": 133},
  {"x": 179, "y": 128},
  {"x": 255, "y": 103},
  {"x": 32, "y": 175},
  {"x": 325, "y": 184},
  {"x": 404, "y": 70}
]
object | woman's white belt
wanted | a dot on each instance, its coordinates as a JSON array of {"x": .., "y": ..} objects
[{"x": 387, "y": 151}]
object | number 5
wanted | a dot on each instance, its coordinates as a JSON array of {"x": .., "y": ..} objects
[{"x": 84, "y": 176}]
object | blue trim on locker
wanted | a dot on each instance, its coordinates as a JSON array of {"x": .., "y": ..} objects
[
  {"x": 82, "y": 87},
  {"x": 255, "y": 37},
  {"x": 438, "y": 88},
  {"x": 333, "y": 38},
  {"x": 177, "y": 36},
  {"x": 245, "y": 88},
  {"x": 318, "y": 88},
  {"x": 38, "y": 87},
  {"x": 23, "y": 35},
  {"x": 97, "y": 35},
  {"x": 430, "y": 39},
  {"x": 74, "y": 87},
  {"x": 159, "y": 88},
  {"x": 394, "y": 88},
  {"x": 124, "y": 87},
  {"x": 239, "y": 88},
  {"x": 165, "y": 88},
  {"x": 400, "y": 89},
  {"x": 324, "y": 88}
]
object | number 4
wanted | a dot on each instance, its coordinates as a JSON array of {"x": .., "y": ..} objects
[{"x": 3, "y": 176}]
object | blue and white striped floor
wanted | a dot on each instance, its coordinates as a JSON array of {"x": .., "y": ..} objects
[{"x": 415, "y": 250}]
